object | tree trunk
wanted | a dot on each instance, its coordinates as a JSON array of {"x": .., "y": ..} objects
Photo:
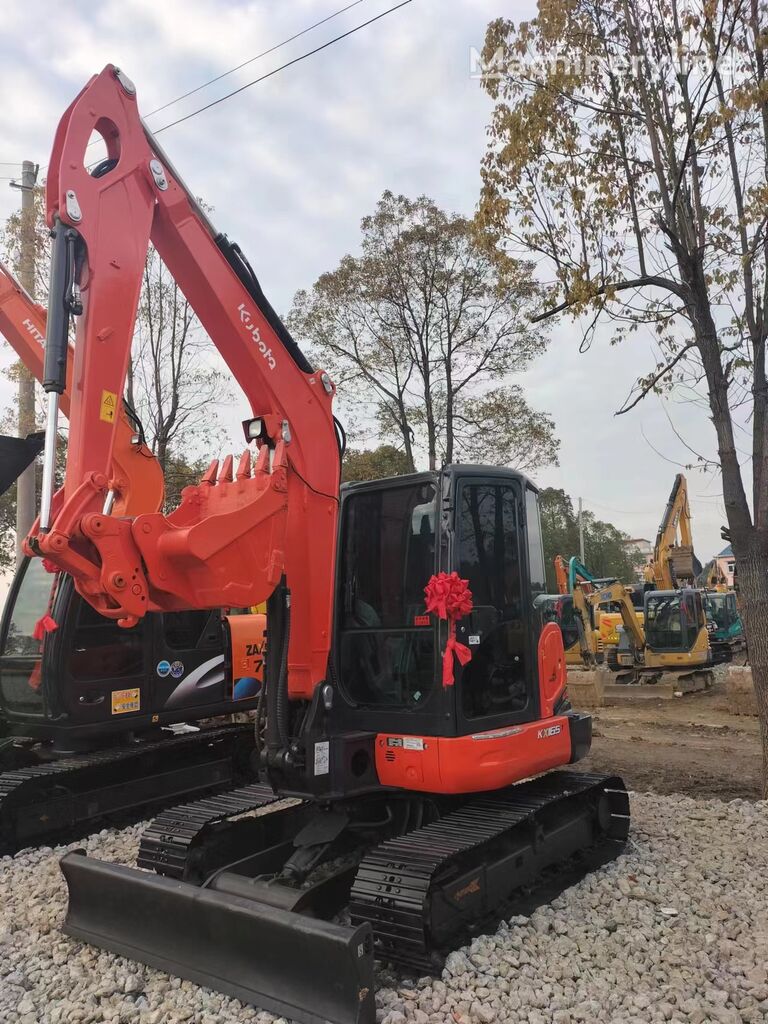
[{"x": 753, "y": 605}]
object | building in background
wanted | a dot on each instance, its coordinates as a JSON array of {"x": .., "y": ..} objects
[
  {"x": 643, "y": 548},
  {"x": 726, "y": 565}
]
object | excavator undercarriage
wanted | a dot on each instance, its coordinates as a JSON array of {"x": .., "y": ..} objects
[{"x": 227, "y": 908}]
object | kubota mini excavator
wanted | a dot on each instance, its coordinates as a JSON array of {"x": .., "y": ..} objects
[
  {"x": 409, "y": 685},
  {"x": 86, "y": 708}
]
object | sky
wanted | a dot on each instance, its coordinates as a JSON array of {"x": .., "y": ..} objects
[{"x": 292, "y": 164}]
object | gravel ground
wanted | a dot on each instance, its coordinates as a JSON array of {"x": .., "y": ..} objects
[{"x": 676, "y": 929}]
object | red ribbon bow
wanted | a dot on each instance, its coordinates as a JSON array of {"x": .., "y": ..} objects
[{"x": 449, "y": 597}]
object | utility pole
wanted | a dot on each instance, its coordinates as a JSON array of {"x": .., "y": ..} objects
[
  {"x": 581, "y": 534},
  {"x": 25, "y": 486}
]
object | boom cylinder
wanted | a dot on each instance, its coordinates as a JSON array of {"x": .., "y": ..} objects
[{"x": 56, "y": 349}]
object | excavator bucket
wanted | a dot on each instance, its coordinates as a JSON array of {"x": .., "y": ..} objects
[
  {"x": 300, "y": 967},
  {"x": 16, "y": 453}
]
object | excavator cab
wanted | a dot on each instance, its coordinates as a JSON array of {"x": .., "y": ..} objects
[
  {"x": 88, "y": 676},
  {"x": 674, "y": 620},
  {"x": 391, "y": 705},
  {"x": 394, "y": 535}
]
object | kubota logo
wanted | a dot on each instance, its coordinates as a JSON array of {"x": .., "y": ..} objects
[
  {"x": 31, "y": 329},
  {"x": 246, "y": 317}
]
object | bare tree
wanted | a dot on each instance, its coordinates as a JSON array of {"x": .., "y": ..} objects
[
  {"x": 174, "y": 385},
  {"x": 629, "y": 152},
  {"x": 425, "y": 327}
]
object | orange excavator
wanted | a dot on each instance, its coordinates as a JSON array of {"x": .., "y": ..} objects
[
  {"x": 90, "y": 712},
  {"x": 413, "y": 703}
]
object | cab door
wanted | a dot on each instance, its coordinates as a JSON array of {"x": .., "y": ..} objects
[{"x": 497, "y": 686}]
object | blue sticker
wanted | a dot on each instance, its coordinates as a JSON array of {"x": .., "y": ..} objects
[
  {"x": 177, "y": 669},
  {"x": 163, "y": 668}
]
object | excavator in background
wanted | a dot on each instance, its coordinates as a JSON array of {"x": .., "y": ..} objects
[
  {"x": 95, "y": 720},
  {"x": 711, "y": 578},
  {"x": 675, "y": 566},
  {"x": 676, "y": 636},
  {"x": 605, "y": 616},
  {"x": 726, "y": 629},
  {"x": 561, "y": 609},
  {"x": 674, "y": 563},
  {"x": 410, "y": 688}
]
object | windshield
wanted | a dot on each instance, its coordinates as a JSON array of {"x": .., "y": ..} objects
[
  {"x": 663, "y": 623},
  {"x": 717, "y": 609}
]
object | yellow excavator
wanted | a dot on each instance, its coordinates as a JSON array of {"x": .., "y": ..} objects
[
  {"x": 605, "y": 616},
  {"x": 673, "y": 637},
  {"x": 560, "y": 609},
  {"x": 674, "y": 564}
]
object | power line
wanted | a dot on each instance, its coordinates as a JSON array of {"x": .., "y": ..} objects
[
  {"x": 258, "y": 56},
  {"x": 282, "y": 67}
]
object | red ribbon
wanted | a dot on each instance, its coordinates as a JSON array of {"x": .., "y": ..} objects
[
  {"x": 449, "y": 597},
  {"x": 46, "y": 624}
]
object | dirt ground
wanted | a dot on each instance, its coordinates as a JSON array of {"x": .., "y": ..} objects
[{"x": 688, "y": 745}]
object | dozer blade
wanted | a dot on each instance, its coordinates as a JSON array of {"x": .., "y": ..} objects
[{"x": 299, "y": 967}]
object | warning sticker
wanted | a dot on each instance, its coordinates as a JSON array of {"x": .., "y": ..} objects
[
  {"x": 322, "y": 758},
  {"x": 108, "y": 406},
  {"x": 126, "y": 700}
]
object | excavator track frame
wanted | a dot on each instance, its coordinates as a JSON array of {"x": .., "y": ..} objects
[{"x": 54, "y": 801}]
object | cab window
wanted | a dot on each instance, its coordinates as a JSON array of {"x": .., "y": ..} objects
[
  {"x": 387, "y": 655},
  {"x": 103, "y": 650},
  {"x": 489, "y": 557},
  {"x": 32, "y": 600}
]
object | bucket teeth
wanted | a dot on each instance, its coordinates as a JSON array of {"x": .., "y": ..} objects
[
  {"x": 209, "y": 477},
  {"x": 262, "y": 461},
  {"x": 225, "y": 476},
  {"x": 244, "y": 466}
]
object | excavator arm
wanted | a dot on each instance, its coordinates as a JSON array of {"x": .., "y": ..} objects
[
  {"x": 135, "y": 471},
  {"x": 674, "y": 563},
  {"x": 617, "y": 593},
  {"x": 235, "y": 535}
]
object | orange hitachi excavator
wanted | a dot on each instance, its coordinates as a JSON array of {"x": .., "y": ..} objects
[
  {"x": 84, "y": 684},
  {"x": 410, "y": 687}
]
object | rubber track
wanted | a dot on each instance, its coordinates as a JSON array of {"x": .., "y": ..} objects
[
  {"x": 393, "y": 884},
  {"x": 168, "y": 841},
  {"x": 71, "y": 770}
]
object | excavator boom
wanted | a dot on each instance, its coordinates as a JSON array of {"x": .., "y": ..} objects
[
  {"x": 135, "y": 471},
  {"x": 236, "y": 534},
  {"x": 674, "y": 563}
]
